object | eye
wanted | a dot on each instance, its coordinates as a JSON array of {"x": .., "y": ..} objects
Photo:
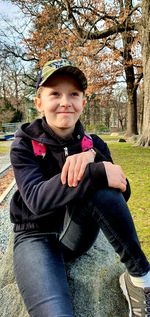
[
  {"x": 54, "y": 93},
  {"x": 75, "y": 93}
]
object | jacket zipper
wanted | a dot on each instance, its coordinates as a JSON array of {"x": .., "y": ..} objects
[{"x": 66, "y": 151}]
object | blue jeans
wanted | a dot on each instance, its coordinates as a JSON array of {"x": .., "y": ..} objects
[{"x": 39, "y": 256}]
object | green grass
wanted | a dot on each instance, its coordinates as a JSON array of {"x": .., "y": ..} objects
[
  {"x": 4, "y": 147},
  {"x": 135, "y": 162},
  {"x": 113, "y": 137}
]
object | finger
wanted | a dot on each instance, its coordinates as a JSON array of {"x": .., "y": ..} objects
[
  {"x": 123, "y": 180},
  {"x": 120, "y": 170},
  {"x": 71, "y": 170},
  {"x": 76, "y": 172},
  {"x": 122, "y": 174},
  {"x": 123, "y": 186},
  {"x": 82, "y": 170},
  {"x": 84, "y": 165},
  {"x": 64, "y": 172}
]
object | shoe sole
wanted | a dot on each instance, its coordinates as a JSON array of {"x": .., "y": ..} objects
[{"x": 125, "y": 292}]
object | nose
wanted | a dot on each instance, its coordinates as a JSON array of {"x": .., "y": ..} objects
[{"x": 65, "y": 101}]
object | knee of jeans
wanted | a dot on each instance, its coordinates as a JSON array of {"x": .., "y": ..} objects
[{"x": 108, "y": 195}]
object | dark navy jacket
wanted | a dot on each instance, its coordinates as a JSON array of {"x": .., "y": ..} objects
[{"x": 40, "y": 199}]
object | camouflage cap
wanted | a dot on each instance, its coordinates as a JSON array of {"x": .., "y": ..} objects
[{"x": 58, "y": 66}]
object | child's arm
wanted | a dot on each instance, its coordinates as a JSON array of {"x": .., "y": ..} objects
[
  {"x": 115, "y": 176},
  {"x": 74, "y": 167},
  {"x": 42, "y": 195}
]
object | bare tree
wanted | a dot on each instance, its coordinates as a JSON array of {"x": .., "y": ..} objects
[
  {"x": 144, "y": 140},
  {"x": 91, "y": 22}
]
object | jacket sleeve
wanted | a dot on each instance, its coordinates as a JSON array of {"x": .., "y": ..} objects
[
  {"x": 42, "y": 196},
  {"x": 102, "y": 150},
  {"x": 103, "y": 154}
]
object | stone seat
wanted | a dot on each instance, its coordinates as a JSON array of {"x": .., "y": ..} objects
[{"x": 93, "y": 280}]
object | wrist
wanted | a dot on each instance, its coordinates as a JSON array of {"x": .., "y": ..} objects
[{"x": 93, "y": 152}]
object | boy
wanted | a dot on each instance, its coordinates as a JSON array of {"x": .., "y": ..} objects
[{"x": 68, "y": 188}]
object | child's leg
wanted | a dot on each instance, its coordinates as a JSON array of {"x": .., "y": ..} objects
[
  {"x": 110, "y": 210},
  {"x": 106, "y": 210},
  {"x": 112, "y": 213},
  {"x": 80, "y": 231},
  {"x": 40, "y": 275}
]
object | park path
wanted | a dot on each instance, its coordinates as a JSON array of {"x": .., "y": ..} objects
[
  {"x": 5, "y": 159},
  {"x": 4, "y": 162}
]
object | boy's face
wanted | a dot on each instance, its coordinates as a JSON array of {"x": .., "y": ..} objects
[{"x": 62, "y": 103}]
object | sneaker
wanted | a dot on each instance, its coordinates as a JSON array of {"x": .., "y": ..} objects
[{"x": 138, "y": 298}]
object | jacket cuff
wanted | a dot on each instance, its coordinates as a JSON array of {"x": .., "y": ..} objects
[
  {"x": 98, "y": 175},
  {"x": 127, "y": 193},
  {"x": 99, "y": 157}
]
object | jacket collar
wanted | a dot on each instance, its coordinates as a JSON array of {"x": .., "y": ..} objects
[{"x": 76, "y": 137}]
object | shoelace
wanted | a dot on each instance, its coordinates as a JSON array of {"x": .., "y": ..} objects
[{"x": 147, "y": 297}]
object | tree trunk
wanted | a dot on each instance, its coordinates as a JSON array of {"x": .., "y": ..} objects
[
  {"x": 130, "y": 77},
  {"x": 144, "y": 140},
  {"x": 132, "y": 110}
]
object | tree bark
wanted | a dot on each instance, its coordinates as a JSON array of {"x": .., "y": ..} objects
[
  {"x": 127, "y": 38},
  {"x": 144, "y": 139},
  {"x": 131, "y": 91}
]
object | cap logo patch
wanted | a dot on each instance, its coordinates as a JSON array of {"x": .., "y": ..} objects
[{"x": 58, "y": 64}]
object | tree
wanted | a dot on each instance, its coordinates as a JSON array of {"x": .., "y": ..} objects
[
  {"x": 144, "y": 140},
  {"x": 119, "y": 108},
  {"x": 117, "y": 21},
  {"x": 128, "y": 39},
  {"x": 17, "y": 84},
  {"x": 84, "y": 30},
  {"x": 97, "y": 28}
]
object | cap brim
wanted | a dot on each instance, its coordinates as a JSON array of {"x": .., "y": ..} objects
[{"x": 71, "y": 70}]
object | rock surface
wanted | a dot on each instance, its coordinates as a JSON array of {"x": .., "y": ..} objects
[{"x": 93, "y": 280}]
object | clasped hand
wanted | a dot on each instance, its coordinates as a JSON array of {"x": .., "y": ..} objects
[
  {"x": 115, "y": 176},
  {"x": 75, "y": 166}
]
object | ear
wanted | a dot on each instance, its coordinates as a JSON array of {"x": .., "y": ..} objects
[
  {"x": 84, "y": 102},
  {"x": 38, "y": 104}
]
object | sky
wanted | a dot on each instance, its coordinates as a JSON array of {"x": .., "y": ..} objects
[
  {"x": 8, "y": 9},
  {"x": 10, "y": 16}
]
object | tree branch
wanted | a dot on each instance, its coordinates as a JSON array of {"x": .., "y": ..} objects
[{"x": 117, "y": 28}]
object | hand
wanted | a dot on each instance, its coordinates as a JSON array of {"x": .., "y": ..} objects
[
  {"x": 115, "y": 176},
  {"x": 75, "y": 166}
]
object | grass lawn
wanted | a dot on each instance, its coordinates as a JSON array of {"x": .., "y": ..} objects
[
  {"x": 4, "y": 147},
  {"x": 135, "y": 162}
]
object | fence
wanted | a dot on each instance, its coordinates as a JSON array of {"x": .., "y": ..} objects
[{"x": 10, "y": 127}]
